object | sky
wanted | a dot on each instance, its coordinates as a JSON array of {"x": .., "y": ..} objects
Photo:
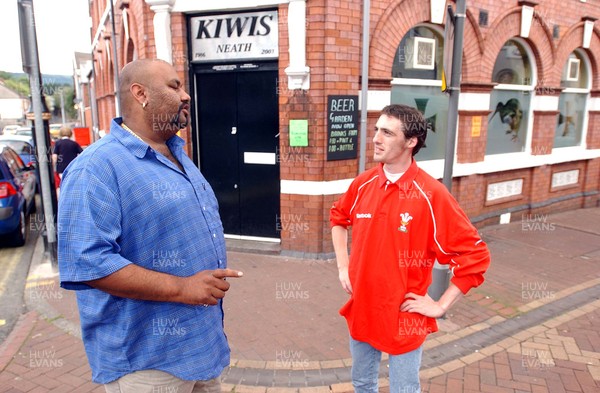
[{"x": 63, "y": 27}]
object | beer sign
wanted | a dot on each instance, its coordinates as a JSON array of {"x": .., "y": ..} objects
[
  {"x": 243, "y": 36},
  {"x": 342, "y": 127}
]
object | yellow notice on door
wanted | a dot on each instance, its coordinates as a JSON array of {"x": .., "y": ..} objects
[
  {"x": 298, "y": 133},
  {"x": 475, "y": 126}
]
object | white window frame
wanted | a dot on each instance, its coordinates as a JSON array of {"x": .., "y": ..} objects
[
  {"x": 505, "y": 161},
  {"x": 571, "y": 150}
]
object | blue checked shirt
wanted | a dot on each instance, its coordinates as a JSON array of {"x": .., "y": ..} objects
[{"x": 120, "y": 203}]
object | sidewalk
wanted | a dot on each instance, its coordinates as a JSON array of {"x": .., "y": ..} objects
[{"x": 533, "y": 326}]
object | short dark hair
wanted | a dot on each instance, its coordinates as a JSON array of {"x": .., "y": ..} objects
[{"x": 413, "y": 123}]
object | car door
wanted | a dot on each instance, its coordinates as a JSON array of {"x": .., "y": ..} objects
[{"x": 24, "y": 178}]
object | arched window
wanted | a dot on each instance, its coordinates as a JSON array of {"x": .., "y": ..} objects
[
  {"x": 417, "y": 81},
  {"x": 572, "y": 102},
  {"x": 510, "y": 100},
  {"x": 131, "y": 52}
]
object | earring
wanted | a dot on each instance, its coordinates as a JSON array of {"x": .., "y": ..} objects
[{"x": 144, "y": 105}]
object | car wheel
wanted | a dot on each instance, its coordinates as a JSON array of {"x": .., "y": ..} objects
[{"x": 20, "y": 234}]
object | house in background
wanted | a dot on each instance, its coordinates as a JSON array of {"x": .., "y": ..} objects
[{"x": 12, "y": 106}]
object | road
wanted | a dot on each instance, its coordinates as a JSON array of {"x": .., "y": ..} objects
[{"x": 14, "y": 266}]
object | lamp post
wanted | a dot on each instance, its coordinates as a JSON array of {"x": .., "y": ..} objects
[{"x": 39, "y": 114}]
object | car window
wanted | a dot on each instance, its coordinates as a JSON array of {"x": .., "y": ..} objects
[
  {"x": 2, "y": 168},
  {"x": 19, "y": 147},
  {"x": 15, "y": 164}
]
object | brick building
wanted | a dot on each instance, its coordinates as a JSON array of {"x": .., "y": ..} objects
[{"x": 275, "y": 87}]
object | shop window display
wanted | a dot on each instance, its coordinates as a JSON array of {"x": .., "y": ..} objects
[
  {"x": 417, "y": 73},
  {"x": 572, "y": 101},
  {"x": 510, "y": 100}
]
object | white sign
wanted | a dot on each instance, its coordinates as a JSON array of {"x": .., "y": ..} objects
[{"x": 245, "y": 36}]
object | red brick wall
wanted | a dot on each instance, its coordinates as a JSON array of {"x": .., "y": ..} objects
[
  {"x": 544, "y": 125},
  {"x": 332, "y": 52},
  {"x": 334, "y": 57},
  {"x": 469, "y": 147}
]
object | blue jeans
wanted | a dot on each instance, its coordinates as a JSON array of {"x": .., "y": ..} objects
[{"x": 404, "y": 369}]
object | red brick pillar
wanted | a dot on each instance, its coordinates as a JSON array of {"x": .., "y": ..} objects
[
  {"x": 472, "y": 126},
  {"x": 333, "y": 55},
  {"x": 593, "y": 131},
  {"x": 472, "y": 135},
  {"x": 544, "y": 128},
  {"x": 591, "y": 184}
]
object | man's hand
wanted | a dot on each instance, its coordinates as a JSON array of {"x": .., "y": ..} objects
[
  {"x": 207, "y": 287},
  {"x": 345, "y": 280},
  {"x": 424, "y": 305}
]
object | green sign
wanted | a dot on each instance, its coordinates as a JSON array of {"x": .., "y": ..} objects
[{"x": 299, "y": 133}]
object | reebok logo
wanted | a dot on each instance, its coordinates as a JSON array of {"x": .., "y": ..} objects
[{"x": 363, "y": 215}]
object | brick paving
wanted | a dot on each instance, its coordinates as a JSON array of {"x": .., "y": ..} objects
[{"x": 532, "y": 327}]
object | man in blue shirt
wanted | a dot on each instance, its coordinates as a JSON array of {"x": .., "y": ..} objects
[{"x": 140, "y": 239}]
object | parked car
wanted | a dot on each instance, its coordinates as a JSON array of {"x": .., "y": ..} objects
[
  {"x": 17, "y": 196},
  {"x": 23, "y": 145},
  {"x": 10, "y": 129},
  {"x": 26, "y": 131}
]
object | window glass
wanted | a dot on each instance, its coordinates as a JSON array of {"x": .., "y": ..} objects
[
  {"x": 12, "y": 162},
  {"x": 419, "y": 55},
  {"x": 510, "y": 100},
  {"x": 575, "y": 74},
  {"x": 419, "y": 58},
  {"x": 572, "y": 102},
  {"x": 571, "y": 107},
  {"x": 433, "y": 104},
  {"x": 512, "y": 65},
  {"x": 507, "y": 124}
]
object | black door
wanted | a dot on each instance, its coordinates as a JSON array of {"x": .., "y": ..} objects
[{"x": 238, "y": 127}]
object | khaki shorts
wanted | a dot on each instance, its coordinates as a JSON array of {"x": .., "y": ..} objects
[{"x": 155, "y": 381}]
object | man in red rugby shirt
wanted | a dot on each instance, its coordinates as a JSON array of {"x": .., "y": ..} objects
[{"x": 402, "y": 220}]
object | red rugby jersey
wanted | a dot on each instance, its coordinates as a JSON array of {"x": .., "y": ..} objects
[{"x": 398, "y": 231}]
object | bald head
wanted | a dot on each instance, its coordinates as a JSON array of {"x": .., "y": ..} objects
[{"x": 138, "y": 71}]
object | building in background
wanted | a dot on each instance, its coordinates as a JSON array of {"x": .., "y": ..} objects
[
  {"x": 275, "y": 87},
  {"x": 12, "y": 107}
]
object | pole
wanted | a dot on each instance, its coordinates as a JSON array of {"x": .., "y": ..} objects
[
  {"x": 115, "y": 60},
  {"x": 440, "y": 273},
  {"x": 459, "y": 27},
  {"x": 364, "y": 88},
  {"x": 62, "y": 107},
  {"x": 31, "y": 64}
]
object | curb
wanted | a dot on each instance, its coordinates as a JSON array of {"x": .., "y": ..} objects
[
  {"x": 41, "y": 276},
  {"x": 21, "y": 331}
]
